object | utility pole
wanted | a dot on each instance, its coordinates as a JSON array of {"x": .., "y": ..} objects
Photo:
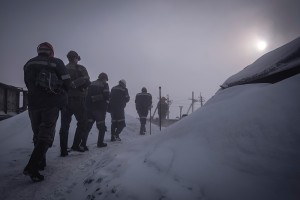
[
  {"x": 193, "y": 101},
  {"x": 150, "y": 118},
  {"x": 192, "y": 104},
  {"x": 159, "y": 108},
  {"x": 180, "y": 108},
  {"x": 168, "y": 100},
  {"x": 155, "y": 110},
  {"x": 201, "y": 99}
]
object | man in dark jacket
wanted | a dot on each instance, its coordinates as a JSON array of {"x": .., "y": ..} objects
[
  {"x": 76, "y": 105},
  {"x": 47, "y": 80},
  {"x": 143, "y": 103},
  {"x": 97, "y": 99},
  {"x": 163, "y": 108},
  {"x": 117, "y": 102}
]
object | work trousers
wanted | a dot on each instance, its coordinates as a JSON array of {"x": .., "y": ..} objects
[
  {"x": 43, "y": 122},
  {"x": 99, "y": 118},
  {"x": 75, "y": 107},
  {"x": 117, "y": 122}
]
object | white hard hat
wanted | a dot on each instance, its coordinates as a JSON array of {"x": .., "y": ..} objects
[{"x": 122, "y": 81}]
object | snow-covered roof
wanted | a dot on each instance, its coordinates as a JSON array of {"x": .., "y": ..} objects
[{"x": 284, "y": 58}]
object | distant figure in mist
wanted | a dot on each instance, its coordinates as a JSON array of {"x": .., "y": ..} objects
[
  {"x": 47, "y": 81},
  {"x": 163, "y": 108},
  {"x": 143, "y": 103},
  {"x": 97, "y": 100},
  {"x": 117, "y": 102}
]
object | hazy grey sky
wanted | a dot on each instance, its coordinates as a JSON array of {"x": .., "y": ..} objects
[{"x": 182, "y": 46}]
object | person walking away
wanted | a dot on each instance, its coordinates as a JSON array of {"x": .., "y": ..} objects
[
  {"x": 143, "y": 103},
  {"x": 47, "y": 81},
  {"x": 97, "y": 99},
  {"x": 163, "y": 109},
  {"x": 117, "y": 102},
  {"x": 76, "y": 105}
]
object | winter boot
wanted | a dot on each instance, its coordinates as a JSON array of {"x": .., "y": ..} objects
[
  {"x": 37, "y": 156},
  {"x": 113, "y": 132},
  {"x": 77, "y": 148},
  {"x": 35, "y": 176},
  {"x": 118, "y": 131},
  {"x": 141, "y": 130},
  {"x": 118, "y": 138},
  {"x": 100, "y": 142},
  {"x": 101, "y": 145},
  {"x": 85, "y": 135},
  {"x": 64, "y": 153},
  {"x": 85, "y": 148},
  {"x": 117, "y": 135}
]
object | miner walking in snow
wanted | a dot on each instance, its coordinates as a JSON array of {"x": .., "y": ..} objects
[
  {"x": 163, "y": 108},
  {"x": 76, "y": 105},
  {"x": 143, "y": 103},
  {"x": 97, "y": 99},
  {"x": 117, "y": 102},
  {"x": 47, "y": 81}
]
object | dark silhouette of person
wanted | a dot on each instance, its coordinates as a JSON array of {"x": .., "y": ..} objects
[
  {"x": 117, "y": 102},
  {"x": 163, "y": 108},
  {"x": 143, "y": 103},
  {"x": 97, "y": 100},
  {"x": 76, "y": 105},
  {"x": 47, "y": 81}
]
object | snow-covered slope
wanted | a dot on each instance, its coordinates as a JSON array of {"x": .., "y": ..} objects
[
  {"x": 281, "y": 59},
  {"x": 244, "y": 144}
]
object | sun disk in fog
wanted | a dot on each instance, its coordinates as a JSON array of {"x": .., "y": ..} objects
[{"x": 261, "y": 45}]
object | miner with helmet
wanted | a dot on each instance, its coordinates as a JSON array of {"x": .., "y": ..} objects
[
  {"x": 117, "y": 102},
  {"x": 44, "y": 103},
  {"x": 143, "y": 103},
  {"x": 97, "y": 99},
  {"x": 76, "y": 105},
  {"x": 163, "y": 108}
]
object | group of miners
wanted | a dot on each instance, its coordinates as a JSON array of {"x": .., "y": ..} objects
[{"x": 54, "y": 88}]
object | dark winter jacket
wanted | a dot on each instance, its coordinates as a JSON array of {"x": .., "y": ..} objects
[
  {"x": 118, "y": 98},
  {"x": 143, "y": 102},
  {"x": 163, "y": 109},
  {"x": 97, "y": 97},
  {"x": 80, "y": 80},
  {"x": 37, "y": 96}
]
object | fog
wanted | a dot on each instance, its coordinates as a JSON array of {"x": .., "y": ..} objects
[{"x": 182, "y": 46}]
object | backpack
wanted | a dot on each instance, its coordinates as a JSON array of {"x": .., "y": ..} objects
[{"x": 48, "y": 81}]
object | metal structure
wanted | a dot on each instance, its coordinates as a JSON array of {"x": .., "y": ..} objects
[
  {"x": 201, "y": 100},
  {"x": 13, "y": 100}
]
